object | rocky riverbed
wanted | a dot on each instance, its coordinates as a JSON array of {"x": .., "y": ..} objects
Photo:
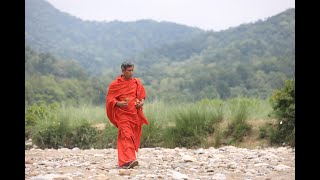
[{"x": 227, "y": 162}]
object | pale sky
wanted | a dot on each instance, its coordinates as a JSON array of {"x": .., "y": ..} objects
[{"x": 205, "y": 14}]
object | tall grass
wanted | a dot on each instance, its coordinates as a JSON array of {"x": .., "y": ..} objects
[
  {"x": 171, "y": 124},
  {"x": 255, "y": 108},
  {"x": 92, "y": 114},
  {"x": 238, "y": 126},
  {"x": 159, "y": 112}
]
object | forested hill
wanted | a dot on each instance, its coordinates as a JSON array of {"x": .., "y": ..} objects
[
  {"x": 251, "y": 59},
  {"x": 175, "y": 62},
  {"x": 273, "y": 37},
  {"x": 95, "y": 44}
]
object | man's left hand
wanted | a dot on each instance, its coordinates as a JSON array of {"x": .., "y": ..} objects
[{"x": 139, "y": 104}]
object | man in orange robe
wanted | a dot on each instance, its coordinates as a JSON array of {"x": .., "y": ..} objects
[{"x": 124, "y": 102}]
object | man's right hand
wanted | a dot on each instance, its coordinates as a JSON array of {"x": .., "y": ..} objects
[{"x": 122, "y": 103}]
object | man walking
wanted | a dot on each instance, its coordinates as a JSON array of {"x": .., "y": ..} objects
[{"x": 124, "y": 102}]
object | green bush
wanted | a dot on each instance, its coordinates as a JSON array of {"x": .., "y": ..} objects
[
  {"x": 263, "y": 132},
  {"x": 218, "y": 136},
  {"x": 84, "y": 136},
  {"x": 267, "y": 131},
  {"x": 151, "y": 134},
  {"x": 107, "y": 138},
  {"x": 190, "y": 128},
  {"x": 48, "y": 135},
  {"x": 213, "y": 108},
  {"x": 238, "y": 127},
  {"x": 171, "y": 125},
  {"x": 39, "y": 114},
  {"x": 283, "y": 104},
  {"x": 236, "y": 131},
  {"x": 51, "y": 129}
]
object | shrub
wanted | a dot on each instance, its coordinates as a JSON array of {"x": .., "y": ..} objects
[
  {"x": 218, "y": 135},
  {"x": 283, "y": 104},
  {"x": 108, "y": 137},
  {"x": 38, "y": 113},
  {"x": 151, "y": 134},
  {"x": 238, "y": 127},
  {"x": 48, "y": 134},
  {"x": 84, "y": 136},
  {"x": 190, "y": 127}
]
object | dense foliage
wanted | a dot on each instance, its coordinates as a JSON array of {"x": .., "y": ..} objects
[
  {"x": 175, "y": 62},
  {"x": 95, "y": 45},
  {"x": 50, "y": 80},
  {"x": 206, "y": 123},
  {"x": 70, "y": 63},
  {"x": 283, "y": 103}
]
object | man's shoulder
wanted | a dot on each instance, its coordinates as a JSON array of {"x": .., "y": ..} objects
[
  {"x": 112, "y": 82},
  {"x": 138, "y": 80},
  {"x": 116, "y": 80}
]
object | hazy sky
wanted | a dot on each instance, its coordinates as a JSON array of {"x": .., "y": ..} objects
[{"x": 205, "y": 14}]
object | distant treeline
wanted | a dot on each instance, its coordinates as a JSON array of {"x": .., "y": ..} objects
[{"x": 74, "y": 61}]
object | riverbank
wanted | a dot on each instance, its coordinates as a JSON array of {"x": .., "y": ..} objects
[{"x": 161, "y": 163}]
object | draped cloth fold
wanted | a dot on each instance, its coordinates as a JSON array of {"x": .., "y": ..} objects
[{"x": 129, "y": 119}]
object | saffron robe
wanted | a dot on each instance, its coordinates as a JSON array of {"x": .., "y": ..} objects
[{"x": 128, "y": 119}]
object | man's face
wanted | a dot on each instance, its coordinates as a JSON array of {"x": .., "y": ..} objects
[{"x": 128, "y": 73}]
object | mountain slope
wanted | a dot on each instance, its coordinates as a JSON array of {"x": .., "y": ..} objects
[
  {"x": 272, "y": 37},
  {"x": 175, "y": 62},
  {"x": 252, "y": 60},
  {"x": 95, "y": 44}
]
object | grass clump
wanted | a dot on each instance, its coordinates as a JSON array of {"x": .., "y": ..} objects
[{"x": 238, "y": 127}]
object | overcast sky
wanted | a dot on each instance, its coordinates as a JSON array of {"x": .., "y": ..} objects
[{"x": 205, "y": 14}]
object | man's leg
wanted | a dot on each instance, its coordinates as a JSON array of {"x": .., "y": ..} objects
[
  {"x": 126, "y": 146},
  {"x": 137, "y": 135}
]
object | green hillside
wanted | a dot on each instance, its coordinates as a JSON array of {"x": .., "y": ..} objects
[
  {"x": 175, "y": 62},
  {"x": 95, "y": 44},
  {"x": 251, "y": 60}
]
